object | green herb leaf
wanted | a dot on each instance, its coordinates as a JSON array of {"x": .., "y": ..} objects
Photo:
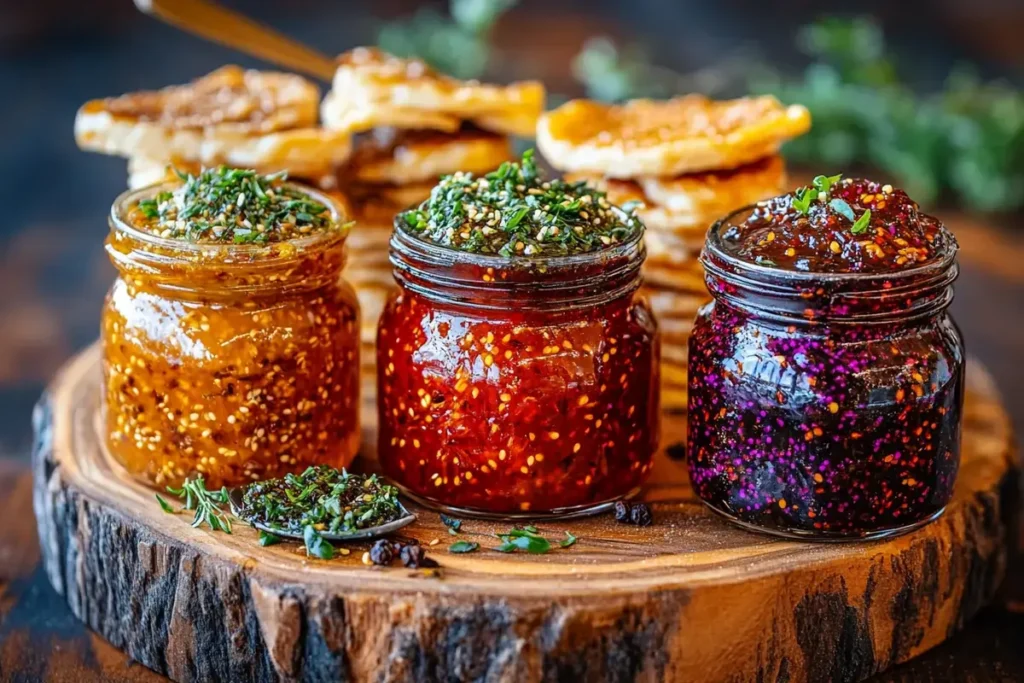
[
  {"x": 453, "y": 524},
  {"x": 316, "y": 546},
  {"x": 569, "y": 540},
  {"x": 824, "y": 183},
  {"x": 463, "y": 547},
  {"x": 164, "y": 504},
  {"x": 841, "y": 207},
  {"x": 521, "y": 539},
  {"x": 861, "y": 225},
  {"x": 802, "y": 198},
  {"x": 530, "y": 528},
  {"x": 267, "y": 538}
]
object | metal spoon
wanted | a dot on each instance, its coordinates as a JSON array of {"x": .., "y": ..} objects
[{"x": 407, "y": 518}]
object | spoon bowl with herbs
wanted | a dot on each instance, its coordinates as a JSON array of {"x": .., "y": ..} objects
[{"x": 332, "y": 504}]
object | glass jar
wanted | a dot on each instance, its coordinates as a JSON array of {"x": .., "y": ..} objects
[
  {"x": 517, "y": 388},
  {"x": 825, "y": 405},
  {"x": 235, "y": 361}
]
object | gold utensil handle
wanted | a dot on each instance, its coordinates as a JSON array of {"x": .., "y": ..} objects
[{"x": 219, "y": 24}]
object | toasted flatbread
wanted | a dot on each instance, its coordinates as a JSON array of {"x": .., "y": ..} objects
[
  {"x": 372, "y": 88},
  {"x": 666, "y": 138},
  {"x": 652, "y": 215},
  {"x": 250, "y": 119},
  {"x": 705, "y": 197},
  {"x": 401, "y": 157}
]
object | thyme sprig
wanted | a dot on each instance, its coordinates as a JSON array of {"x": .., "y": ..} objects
[
  {"x": 515, "y": 211},
  {"x": 232, "y": 205},
  {"x": 207, "y": 504}
]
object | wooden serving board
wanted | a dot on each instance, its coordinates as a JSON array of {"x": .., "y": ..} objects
[{"x": 690, "y": 598}]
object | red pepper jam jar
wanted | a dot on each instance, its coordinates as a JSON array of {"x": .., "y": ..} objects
[
  {"x": 826, "y": 377},
  {"x": 517, "y": 386}
]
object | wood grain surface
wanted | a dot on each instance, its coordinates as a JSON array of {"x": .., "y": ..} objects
[{"x": 690, "y": 598}]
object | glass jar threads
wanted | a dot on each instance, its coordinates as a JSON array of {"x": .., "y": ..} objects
[
  {"x": 826, "y": 377},
  {"x": 233, "y": 356},
  {"x": 517, "y": 376}
]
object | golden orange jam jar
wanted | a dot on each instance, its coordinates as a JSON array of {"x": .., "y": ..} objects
[
  {"x": 517, "y": 369},
  {"x": 230, "y": 342}
]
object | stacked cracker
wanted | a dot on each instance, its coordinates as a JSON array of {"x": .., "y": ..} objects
[
  {"x": 233, "y": 116},
  {"x": 413, "y": 126},
  {"x": 689, "y": 161}
]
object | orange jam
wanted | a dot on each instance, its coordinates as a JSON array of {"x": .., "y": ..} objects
[{"x": 238, "y": 361}]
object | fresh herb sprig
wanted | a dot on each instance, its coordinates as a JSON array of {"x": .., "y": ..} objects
[
  {"x": 515, "y": 211},
  {"x": 206, "y": 504},
  {"x": 233, "y": 205},
  {"x": 321, "y": 498},
  {"x": 805, "y": 197}
]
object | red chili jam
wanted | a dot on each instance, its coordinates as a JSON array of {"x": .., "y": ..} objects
[
  {"x": 515, "y": 385},
  {"x": 826, "y": 378}
]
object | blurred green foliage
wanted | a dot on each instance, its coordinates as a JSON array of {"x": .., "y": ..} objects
[
  {"x": 965, "y": 141},
  {"x": 459, "y": 44}
]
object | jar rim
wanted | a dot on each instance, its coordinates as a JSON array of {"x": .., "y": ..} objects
[
  {"x": 714, "y": 248},
  {"x": 441, "y": 255},
  {"x": 132, "y": 196}
]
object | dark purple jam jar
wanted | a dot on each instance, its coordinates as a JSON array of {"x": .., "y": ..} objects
[{"x": 826, "y": 404}]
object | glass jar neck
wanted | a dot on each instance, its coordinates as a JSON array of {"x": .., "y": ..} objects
[
  {"x": 791, "y": 297},
  {"x": 552, "y": 284},
  {"x": 223, "y": 271}
]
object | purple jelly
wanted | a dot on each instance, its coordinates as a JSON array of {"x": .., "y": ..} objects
[{"x": 826, "y": 378}]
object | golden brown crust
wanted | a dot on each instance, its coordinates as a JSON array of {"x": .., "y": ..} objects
[
  {"x": 401, "y": 157},
  {"x": 666, "y": 138},
  {"x": 232, "y": 116},
  {"x": 379, "y": 89}
]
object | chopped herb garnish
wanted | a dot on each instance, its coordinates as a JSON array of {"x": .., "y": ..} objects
[
  {"x": 267, "y": 538},
  {"x": 453, "y": 524},
  {"x": 316, "y": 546},
  {"x": 802, "y": 198},
  {"x": 861, "y": 225},
  {"x": 569, "y": 540},
  {"x": 164, "y": 504},
  {"x": 841, "y": 207},
  {"x": 232, "y": 205},
  {"x": 463, "y": 547},
  {"x": 323, "y": 498},
  {"x": 523, "y": 539},
  {"x": 823, "y": 184},
  {"x": 514, "y": 211},
  {"x": 207, "y": 504}
]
